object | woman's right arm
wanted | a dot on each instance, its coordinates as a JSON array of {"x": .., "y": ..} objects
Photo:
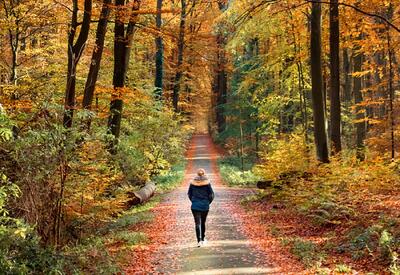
[{"x": 190, "y": 192}]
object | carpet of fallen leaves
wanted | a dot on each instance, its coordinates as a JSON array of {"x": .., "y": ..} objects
[
  {"x": 291, "y": 224},
  {"x": 271, "y": 216}
]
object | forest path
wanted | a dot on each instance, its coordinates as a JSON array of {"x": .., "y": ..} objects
[{"x": 228, "y": 250}]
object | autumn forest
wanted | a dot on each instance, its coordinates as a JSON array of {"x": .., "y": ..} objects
[{"x": 109, "y": 108}]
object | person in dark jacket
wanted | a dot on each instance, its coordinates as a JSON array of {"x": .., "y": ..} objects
[{"x": 201, "y": 195}]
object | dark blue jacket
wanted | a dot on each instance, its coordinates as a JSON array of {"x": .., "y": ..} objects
[{"x": 200, "y": 194}]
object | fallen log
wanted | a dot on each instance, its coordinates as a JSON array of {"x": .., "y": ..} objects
[{"x": 142, "y": 195}]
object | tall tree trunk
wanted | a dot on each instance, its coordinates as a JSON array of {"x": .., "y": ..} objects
[
  {"x": 317, "y": 85},
  {"x": 158, "y": 83},
  {"x": 241, "y": 140},
  {"x": 301, "y": 82},
  {"x": 347, "y": 77},
  {"x": 74, "y": 54},
  {"x": 14, "y": 41},
  {"x": 222, "y": 85},
  {"x": 336, "y": 144},
  {"x": 181, "y": 46},
  {"x": 221, "y": 80},
  {"x": 14, "y": 59},
  {"x": 391, "y": 94},
  {"x": 360, "y": 110},
  {"x": 96, "y": 57},
  {"x": 122, "y": 46}
]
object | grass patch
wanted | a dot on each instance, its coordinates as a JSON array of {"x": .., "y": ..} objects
[
  {"x": 169, "y": 180},
  {"x": 306, "y": 251},
  {"x": 129, "y": 238},
  {"x": 275, "y": 231},
  {"x": 231, "y": 173},
  {"x": 89, "y": 257},
  {"x": 343, "y": 269},
  {"x": 258, "y": 195}
]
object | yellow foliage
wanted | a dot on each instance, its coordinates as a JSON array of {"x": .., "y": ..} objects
[
  {"x": 282, "y": 156},
  {"x": 92, "y": 178}
]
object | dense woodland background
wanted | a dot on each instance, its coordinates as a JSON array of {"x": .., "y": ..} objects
[{"x": 97, "y": 98}]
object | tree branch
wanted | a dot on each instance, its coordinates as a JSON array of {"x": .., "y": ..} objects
[
  {"x": 84, "y": 32},
  {"x": 64, "y": 6},
  {"x": 370, "y": 14}
]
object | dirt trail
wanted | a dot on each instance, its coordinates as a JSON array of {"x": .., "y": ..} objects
[{"x": 174, "y": 250}]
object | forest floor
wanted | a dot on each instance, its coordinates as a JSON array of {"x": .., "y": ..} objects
[{"x": 233, "y": 243}]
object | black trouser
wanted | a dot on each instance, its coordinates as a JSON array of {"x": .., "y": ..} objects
[{"x": 200, "y": 218}]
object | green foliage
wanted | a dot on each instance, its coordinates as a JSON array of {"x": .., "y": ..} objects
[
  {"x": 395, "y": 264},
  {"x": 39, "y": 162},
  {"x": 152, "y": 141},
  {"x": 91, "y": 256},
  {"x": 307, "y": 251},
  {"x": 7, "y": 190},
  {"x": 270, "y": 82},
  {"x": 24, "y": 255},
  {"x": 5, "y": 126},
  {"x": 131, "y": 217},
  {"x": 257, "y": 196},
  {"x": 342, "y": 268},
  {"x": 167, "y": 180},
  {"x": 389, "y": 248},
  {"x": 130, "y": 238},
  {"x": 233, "y": 175},
  {"x": 374, "y": 239},
  {"x": 20, "y": 251},
  {"x": 325, "y": 212},
  {"x": 235, "y": 161}
]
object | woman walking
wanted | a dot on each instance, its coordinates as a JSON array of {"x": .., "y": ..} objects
[{"x": 201, "y": 195}]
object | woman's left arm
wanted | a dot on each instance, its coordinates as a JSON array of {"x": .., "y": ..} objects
[{"x": 210, "y": 193}]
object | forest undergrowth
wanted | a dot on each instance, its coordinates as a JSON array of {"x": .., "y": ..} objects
[
  {"x": 339, "y": 217},
  {"x": 73, "y": 196}
]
